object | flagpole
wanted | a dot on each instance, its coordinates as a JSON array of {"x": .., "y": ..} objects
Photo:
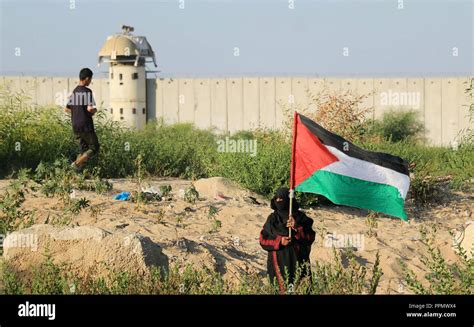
[{"x": 292, "y": 168}]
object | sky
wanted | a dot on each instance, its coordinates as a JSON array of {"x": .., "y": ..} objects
[{"x": 273, "y": 37}]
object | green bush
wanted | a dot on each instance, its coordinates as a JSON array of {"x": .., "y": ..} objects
[
  {"x": 184, "y": 151},
  {"x": 425, "y": 190},
  {"x": 442, "y": 277},
  {"x": 398, "y": 126},
  {"x": 12, "y": 215},
  {"x": 265, "y": 172}
]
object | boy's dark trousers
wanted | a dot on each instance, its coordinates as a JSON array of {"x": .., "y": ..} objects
[{"x": 88, "y": 142}]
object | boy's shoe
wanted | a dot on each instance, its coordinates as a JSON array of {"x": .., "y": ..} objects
[{"x": 76, "y": 168}]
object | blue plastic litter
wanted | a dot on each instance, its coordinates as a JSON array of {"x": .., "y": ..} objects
[{"x": 124, "y": 196}]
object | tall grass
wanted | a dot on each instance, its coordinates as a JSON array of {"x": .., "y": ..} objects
[
  {"x": 55, "y": 278},
  {"x": 262, "y": 173},
  {"x": 28, "y": 137}
]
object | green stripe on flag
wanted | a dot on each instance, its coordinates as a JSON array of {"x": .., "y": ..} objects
[{"x": 355, "y": 192}]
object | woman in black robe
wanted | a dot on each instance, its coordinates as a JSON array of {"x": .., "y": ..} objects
[{"x": 285, "y": 253}]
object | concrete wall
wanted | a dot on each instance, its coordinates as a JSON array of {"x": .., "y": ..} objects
[
  {"x": 44, "y": 90},
  {"x": 233, "y": 104}
]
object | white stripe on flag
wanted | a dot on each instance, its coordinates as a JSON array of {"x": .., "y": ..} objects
[{"x": 368, "y": 171}]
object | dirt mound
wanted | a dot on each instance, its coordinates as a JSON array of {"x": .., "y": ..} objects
[
  {"x": 82, "y": 248},
  {"x": 222, "y": 188}
]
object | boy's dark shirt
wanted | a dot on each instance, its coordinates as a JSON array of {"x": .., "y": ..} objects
[{"x": 78, "y": 102}]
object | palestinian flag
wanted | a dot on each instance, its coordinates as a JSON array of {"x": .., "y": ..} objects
[{"x": 327, "y": 164}]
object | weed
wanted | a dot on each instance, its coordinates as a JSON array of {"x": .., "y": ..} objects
[
  {"x": 55, "y": 278},
  {"x": 191, "y": 195},
  {"x": 371, "y": 222},
  {"x": 12, "y": 216},
  {"x": 216, "y": 225},
  {"x": 165, "y": 189},
  {"x": 442, "y": 277}
]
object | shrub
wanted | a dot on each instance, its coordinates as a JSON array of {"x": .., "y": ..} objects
[
  {"x": 442, "y": 277},
  {"x": 263, "y": 173},
  {"x": 12, "y": 216},
  {"x": 341, "y": 113},
  {"x": 397, "y": 126}
]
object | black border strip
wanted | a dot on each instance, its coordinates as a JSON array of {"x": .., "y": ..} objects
[{"x": 354, "y": 310}]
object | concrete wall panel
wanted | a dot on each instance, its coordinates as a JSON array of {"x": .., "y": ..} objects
[
  {"x": 349, "y": 85},
  {"x": 219, "y": 104},
  {"x": 315, "y": 87},
  {"x": 267, "y": 102},
  {"x": 202, "y": 94},
  {"x": 235, "y": 105},
  {"x": 72, "y": 83},
  {"x": 60, "y": 91},
  {"x": 28, "y": 85},
  {"x": 151, "y": 99},
  {"x": 159, "y": 111},
  {"x": 433, "y": 102},
  {"x": 13, "y": 83},
  {"x": 402, "y": 100},
  {"x": 450, "y": 105},
  {"x": 365, "y": 87},
  {"x": 251, "y": 103},
  {"x": 44, "y": 91},
  {"x": 333, "y": 85},
  {"x": 186, "y": 100},
  {"x": 416, "y": 87},
  {"x": 170, "y": 101},
  {"x": 465, "y": 102},
  {"x": 284, "y": 106},
  {"x": 96, "y": 88},
  {"x": 381, "y": 97},
  {"x": 299, "y": 89}
]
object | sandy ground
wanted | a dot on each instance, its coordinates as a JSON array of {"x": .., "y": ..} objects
[{"x": 184, "y": 230}]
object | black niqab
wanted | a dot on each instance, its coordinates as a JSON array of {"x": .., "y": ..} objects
[{"x": 282, "y": 210}]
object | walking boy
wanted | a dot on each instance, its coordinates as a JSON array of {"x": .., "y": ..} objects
[{"x": 82, "y": 107}]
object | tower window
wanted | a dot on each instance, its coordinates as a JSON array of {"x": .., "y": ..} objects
[
  {"x": 121, "y": 111},
  {"x": 121, "y": 118},
  {"x": 120, "y": 76},
  {"x": 111, "y": 110},
  {"x": 135, "y": 76},
  {"x": 134, "y": 110},
  {"x": 144, "y": 111},
  {"x": 111, "y": 75}
]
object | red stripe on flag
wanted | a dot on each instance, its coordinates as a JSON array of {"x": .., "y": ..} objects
[{"x": 309, "y": 154}]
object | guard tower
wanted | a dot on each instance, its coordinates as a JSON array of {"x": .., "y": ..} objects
[{"x": 127, "y": 56}]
